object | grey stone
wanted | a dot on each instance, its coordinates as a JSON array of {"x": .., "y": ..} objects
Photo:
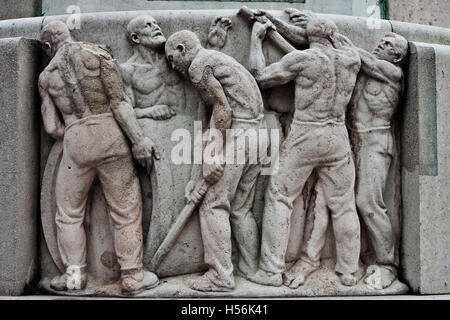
[
  {"x": 19, "y": 165},
  {"x": 54, "y": 7},
  {"x": 421, "y": 33},
  {"x": 425, "y": 170},
  {"x": 11, "y": 9},
  {"x": 434, "y": 13}
]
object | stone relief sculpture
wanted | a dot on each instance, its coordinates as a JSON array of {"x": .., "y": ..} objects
[
  {"x": 373, "y": 105},
  {"x": 231, "y": 100},
  {"x": 157, "y": 92},
  {"x": 82, "y": 84},
  {"x": 325, "y": 76},
  {"x": 104, "y": 107}
]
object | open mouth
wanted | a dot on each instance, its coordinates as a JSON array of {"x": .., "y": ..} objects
[{"x": 157, "y": 33}]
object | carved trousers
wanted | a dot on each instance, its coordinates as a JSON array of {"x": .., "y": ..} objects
[
  {"x": 373, "y": 155},
  {"x": 226, "y": 212},
  {"x": 326, "y": 149},
  {"x": 96, "y": 147}
]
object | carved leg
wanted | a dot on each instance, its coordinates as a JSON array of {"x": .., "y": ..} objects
[
  {"x": 215, "y": 211},
  {"x": 123, "y": 195},
  {"x": 244, "y": 227},
  {"x": 337, "y": 180},
  {"x": 312, "y": 249},
  {"x": 283, "y": 189},
  {"x": 72, "y": 187},
  {"x": 373, "y": 158}
]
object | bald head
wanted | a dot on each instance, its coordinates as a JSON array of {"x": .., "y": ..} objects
[
  {"x": 393, "y": 48},
  {"x": 181, "y": 49},
  {"x": 321, "y": 28},
  {"x": 144, "y": 30},
  {"x": 53, "y": 34}
]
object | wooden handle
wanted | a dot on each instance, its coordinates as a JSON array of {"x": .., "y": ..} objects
[{"x": 272, "y": 34}]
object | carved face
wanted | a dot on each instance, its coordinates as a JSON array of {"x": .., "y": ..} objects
[
  {"x": 386, "y": 50},
  {"x": 176, "y": 54},
  {"x": 181, "y": 49},
  {"x": 149, "y": 35},
  {"x": 52, "y": 36}
]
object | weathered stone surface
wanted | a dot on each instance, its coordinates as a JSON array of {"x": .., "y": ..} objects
[
  {"x": 425, "y": 170},
  {"x": 110, "y": 29},
  {"x": 27, "y": 27},
  {"x": 421, "y": 33},
  {"x": 348, "y": 7},
  {"x": 19, "y": 165},
  {"x": 432, "y": 12},
  {"x": 11, "y": 9}
]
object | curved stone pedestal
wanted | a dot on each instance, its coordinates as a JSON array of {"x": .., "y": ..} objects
[{"x": 323, "y": 282}]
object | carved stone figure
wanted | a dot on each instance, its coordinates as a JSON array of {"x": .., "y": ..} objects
[
  {"x": 373, "y": 105},
  {"x": 231, "y": 100},
  {"x": 82, "y": 86},
  {"x": 156, "y": 93},
  {"x": 324, "y": 77},
  {"x": 371, "y": 109}
]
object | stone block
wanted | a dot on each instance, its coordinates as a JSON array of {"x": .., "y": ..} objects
[
  {"x": 425, "y": 170},
  {"x": 434, "y": 13},
  {"x": 19, "y": 163},
  {"x": 422, "y": 33},
  {"x": 11, "y": 10}
]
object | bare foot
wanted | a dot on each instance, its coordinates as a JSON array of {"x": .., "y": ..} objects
[
  {"x": 379, "y": 277},
  {"x": 267, "y": 278},
  {"x": 203, "y": 283},
  {"x": 297, "y": 274},
  {"x": 75, "y": 278},
  {"x": 348, "y": 280}
]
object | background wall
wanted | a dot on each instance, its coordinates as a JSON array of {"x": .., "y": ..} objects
[
  {"x": 10, "y": 9},
  {"x": 430, "y": 12}
]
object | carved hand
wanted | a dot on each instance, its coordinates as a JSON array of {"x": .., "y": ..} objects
[
  {"x": 213, "y": 172},
  {"x": 260, "y": 29},
  {"x": 262, "y": 16},
  {"x": 191, "y": 193},
  {"x": 158, "y": 112},
  {"x": 218, "y": 31},
  {"x": 144, "y": 151},
  {"x": 299, "y": 18}
]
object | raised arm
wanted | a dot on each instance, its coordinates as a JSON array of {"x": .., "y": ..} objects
[
  {"x": 380, "y": 69},
  {"x": 52, "y": 123},
  {"x": 294, "y": 34},
  {"x": 277, "y": 73}
]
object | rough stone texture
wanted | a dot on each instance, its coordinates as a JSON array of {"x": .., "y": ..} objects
[
  {"x": 425, "y": 170},
  {"x": 421, "y": 33},
  {"x": 430, "y": 12},
  {"x": 109, "y": 28},
  {"x": 11, "y": 9},
  {"x": 348, "y": 7},
  {"x": 27, "y": 27},
  {"x": 175, "y": 287},
  {"x": 19, "y": 165}
]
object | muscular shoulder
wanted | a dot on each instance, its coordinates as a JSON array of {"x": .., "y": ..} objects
[
  {"x": 203, "y": 62},
  {"x": 43, "y": 79},
  {"x": 394, "y": 72},
  {"x": 127, "y": 70},
  {"x": 299, "y": 58}
]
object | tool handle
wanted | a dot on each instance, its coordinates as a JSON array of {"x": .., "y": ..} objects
[{"x": 272, "y": 34}]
